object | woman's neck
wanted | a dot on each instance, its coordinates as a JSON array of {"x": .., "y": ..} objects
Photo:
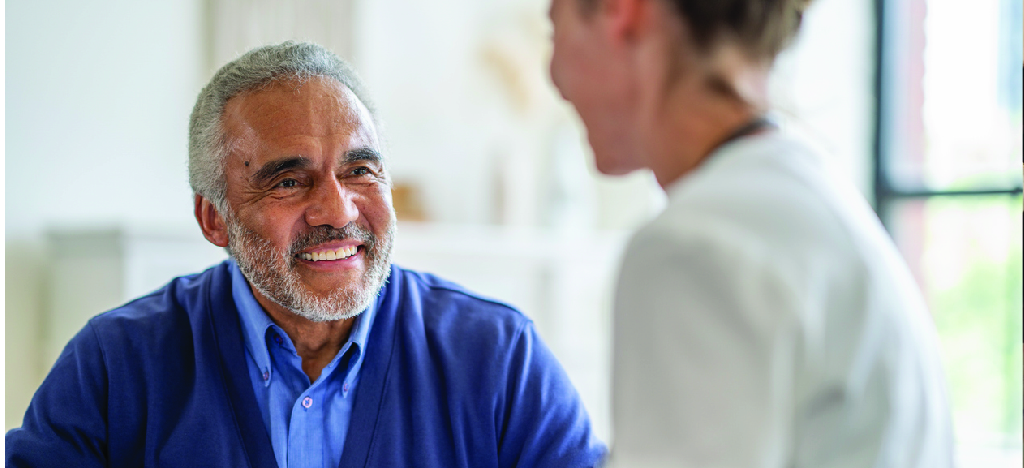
[{"x": 700, "y": 111}]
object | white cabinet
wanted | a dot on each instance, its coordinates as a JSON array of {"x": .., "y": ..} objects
[
  {"x": 94, "y": 270},
  {"x": 562, "y": 281}
]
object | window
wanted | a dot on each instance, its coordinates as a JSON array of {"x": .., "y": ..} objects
[{"x": 947, "y": 185}]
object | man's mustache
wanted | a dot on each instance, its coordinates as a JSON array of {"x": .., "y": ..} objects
[{"x": 323, "y": 234}]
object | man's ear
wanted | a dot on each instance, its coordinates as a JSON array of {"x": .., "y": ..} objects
[{"x": 211, "y": 222}]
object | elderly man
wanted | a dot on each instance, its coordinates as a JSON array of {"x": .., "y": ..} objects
[
  {"x": 764, "y": 318},
  {"x": 307, "y": 348}
]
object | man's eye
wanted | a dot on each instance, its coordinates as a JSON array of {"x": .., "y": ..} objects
[
  {"x": 361, "y": 170},
  {"x": 288, "y": 183}
]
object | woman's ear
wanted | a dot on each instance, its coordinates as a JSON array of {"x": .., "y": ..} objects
[
  {"x": 211, "y": 222},
  {"x": 625, "y": 18}
]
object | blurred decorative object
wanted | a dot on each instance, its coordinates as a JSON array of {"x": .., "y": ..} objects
[
  {"x": 408, "y": 202},
  {"x": 516, "y": 51},
  {"x": 569, "y": 192},
  {"x": 516, "y": 185},
  {"x": 541, "y": 172}
]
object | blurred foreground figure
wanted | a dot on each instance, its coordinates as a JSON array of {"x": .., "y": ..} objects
[
  {"x": 764, "y": 319},
  {"x": 307, "y": 348}
]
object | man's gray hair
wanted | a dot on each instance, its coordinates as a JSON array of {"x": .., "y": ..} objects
[{"x": 208, "y": 144}]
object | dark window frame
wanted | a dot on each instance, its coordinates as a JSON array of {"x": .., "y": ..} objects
[{"x": 886, "y": 190}]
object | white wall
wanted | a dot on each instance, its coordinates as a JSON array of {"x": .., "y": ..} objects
[
  {"x": 97, "y": 102},
  {"x": 98, "y": 97}
]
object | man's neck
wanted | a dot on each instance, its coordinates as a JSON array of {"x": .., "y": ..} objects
[{"x": 317, "y": 343}]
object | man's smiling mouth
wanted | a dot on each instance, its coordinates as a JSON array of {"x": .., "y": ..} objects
[{"x": 340, "y": 253}]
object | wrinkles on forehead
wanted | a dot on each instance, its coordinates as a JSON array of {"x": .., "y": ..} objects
[{"x": 328, "y": 110}]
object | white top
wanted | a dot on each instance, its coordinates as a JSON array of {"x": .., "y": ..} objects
[{"x": 765, "y": 319}]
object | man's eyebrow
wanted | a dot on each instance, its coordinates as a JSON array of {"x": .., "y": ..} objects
[
  {"x": 277, "y": 166},
  {"x": 362, "y": 154}
]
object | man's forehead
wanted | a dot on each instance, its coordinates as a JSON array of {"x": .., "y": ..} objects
[{"x": 315, "y": 106}]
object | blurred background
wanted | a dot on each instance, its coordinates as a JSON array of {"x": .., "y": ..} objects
[{"x": 918, "y": 101}]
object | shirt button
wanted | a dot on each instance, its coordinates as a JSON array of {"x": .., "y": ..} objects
[
  {"x": 307, "y": 402},
  {"x": 277, "y": 339},
  {"x": 344, "y": 388},
  {"x": 266, "y": 376}
]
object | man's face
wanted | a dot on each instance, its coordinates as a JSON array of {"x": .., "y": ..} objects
[
  {"x": 311, "y": 222},
  {"x": 590, "y": 71}
]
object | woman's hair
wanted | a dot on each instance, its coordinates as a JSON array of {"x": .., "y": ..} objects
[{"x": 763, "y": 28}]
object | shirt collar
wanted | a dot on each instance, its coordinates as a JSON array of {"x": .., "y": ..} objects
[{"x": 256, "y": 323}]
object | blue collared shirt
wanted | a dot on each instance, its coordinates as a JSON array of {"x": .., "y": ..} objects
[{"x": 307, "y": 423}]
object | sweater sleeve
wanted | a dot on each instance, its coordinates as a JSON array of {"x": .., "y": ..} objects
[
  {"x": 66, "y": 423},
  {"x": 546, "y": 424}
]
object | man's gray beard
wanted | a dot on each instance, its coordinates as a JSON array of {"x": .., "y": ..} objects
[{"x": 272, "y": 272}]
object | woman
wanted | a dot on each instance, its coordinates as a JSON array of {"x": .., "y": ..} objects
[{"x": 764, "y": 318}]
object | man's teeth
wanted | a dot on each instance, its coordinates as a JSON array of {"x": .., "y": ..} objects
[{"x": 336, "y": 254}]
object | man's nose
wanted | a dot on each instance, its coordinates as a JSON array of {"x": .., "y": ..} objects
[{"x": 332, "y": 205}]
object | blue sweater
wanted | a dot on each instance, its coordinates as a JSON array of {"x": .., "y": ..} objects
[{"x": 450, "y": 380}]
